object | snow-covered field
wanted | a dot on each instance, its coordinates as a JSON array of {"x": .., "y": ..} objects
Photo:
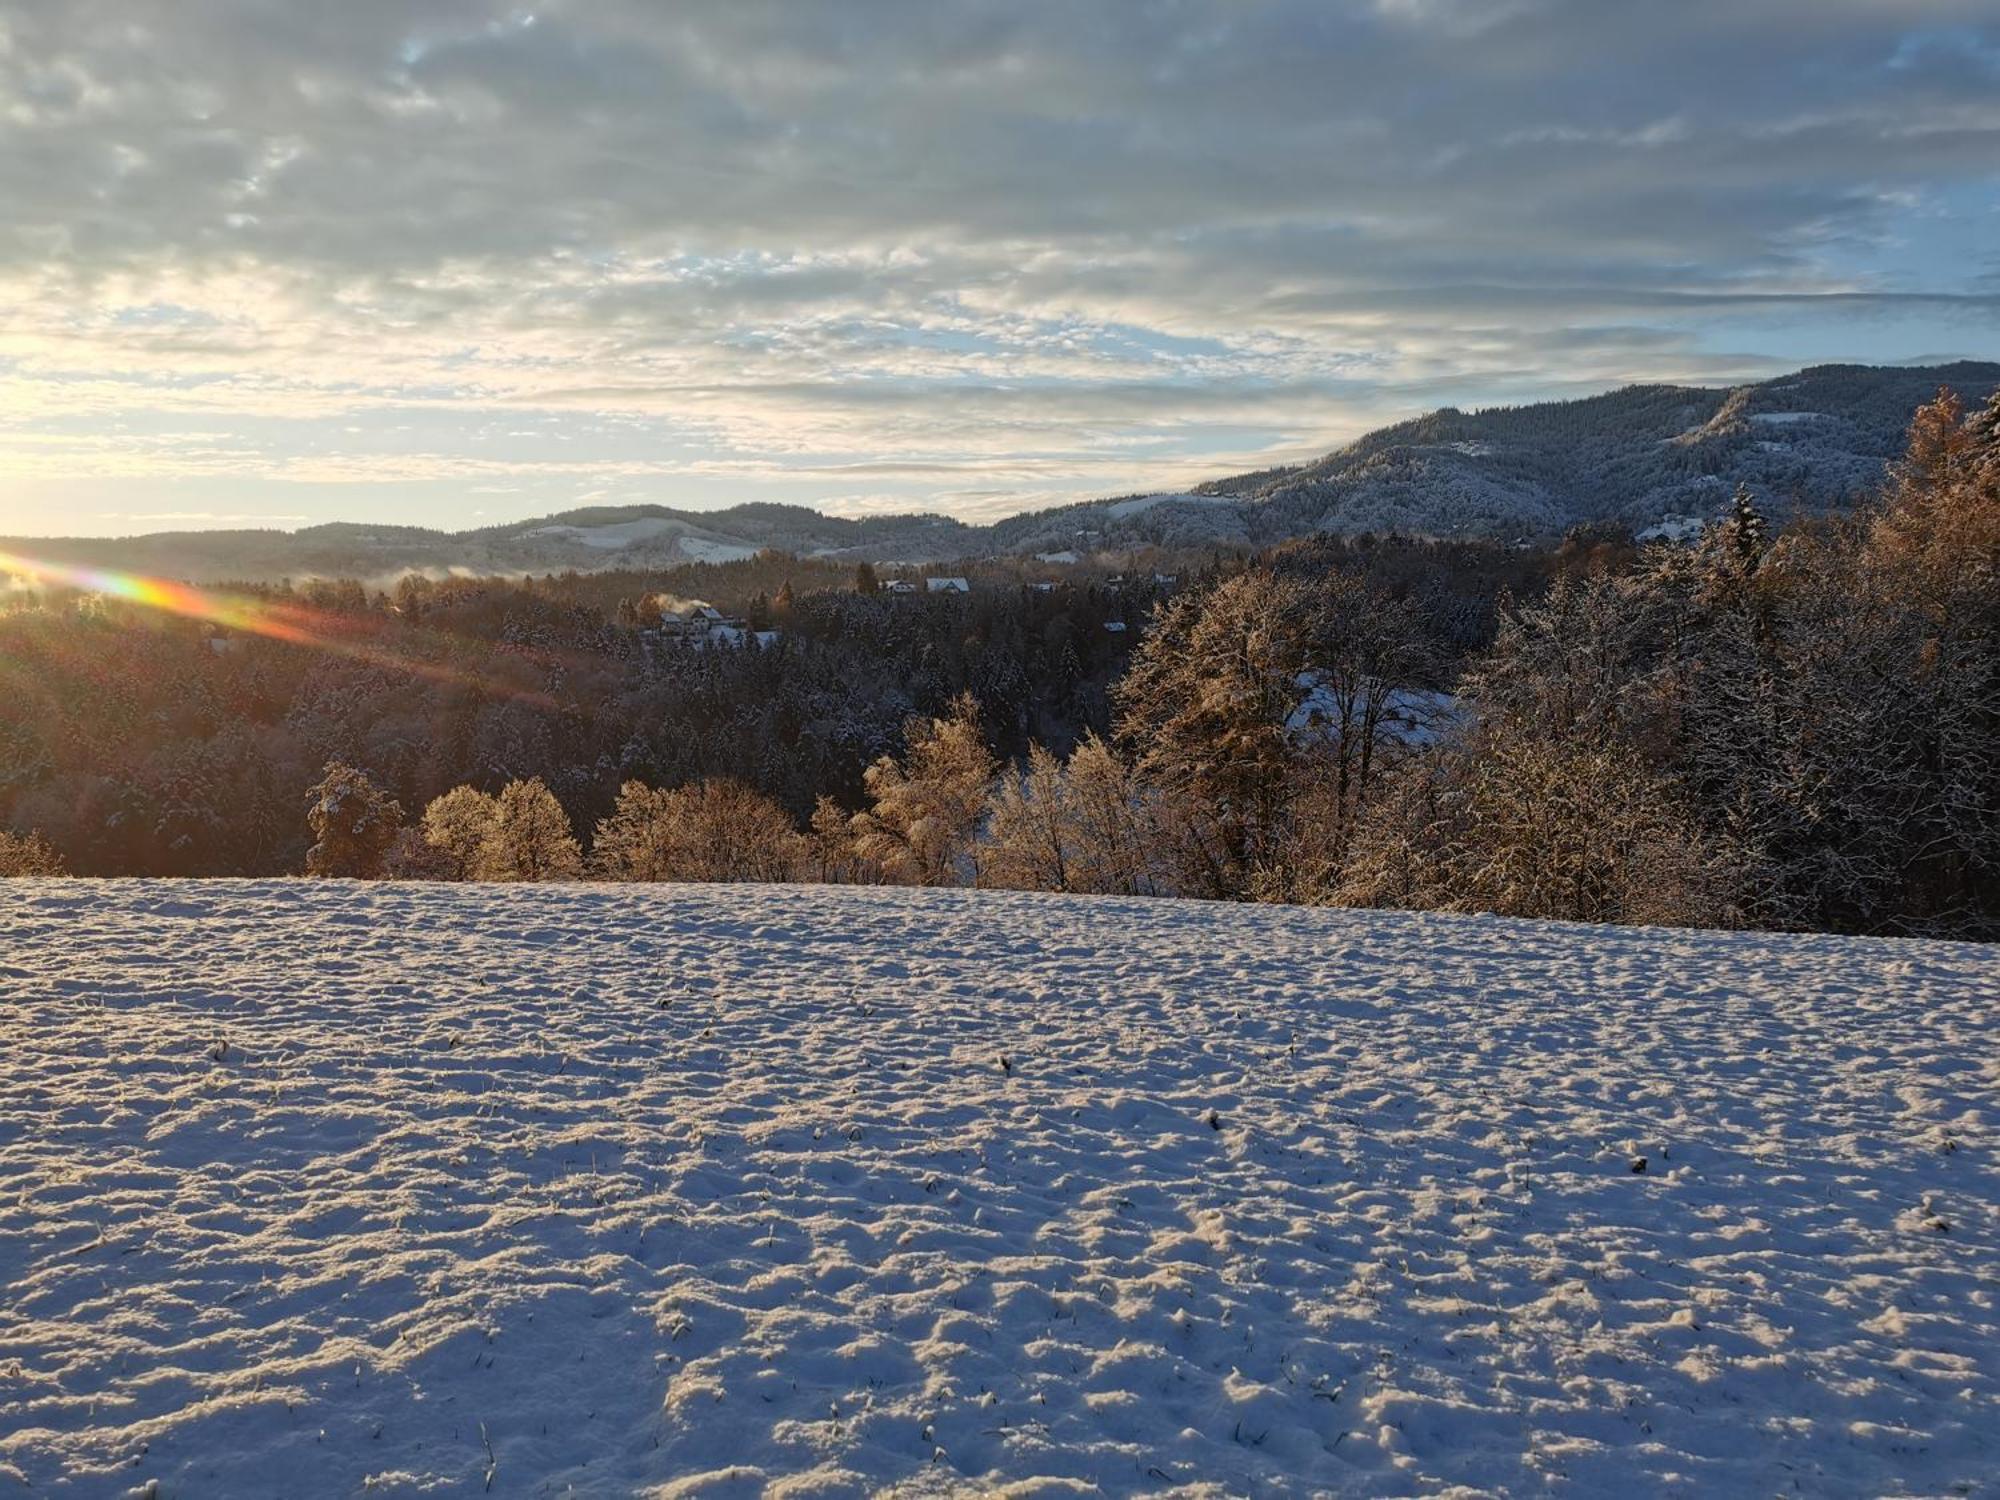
[{"x": 322, "y": 1189}]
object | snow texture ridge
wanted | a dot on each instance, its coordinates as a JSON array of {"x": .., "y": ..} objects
[{"x": 405, "y": 1190}]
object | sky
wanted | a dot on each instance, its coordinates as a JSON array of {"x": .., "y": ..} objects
[{"x": 462, "y": 262}]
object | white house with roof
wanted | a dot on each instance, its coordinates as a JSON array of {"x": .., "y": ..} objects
[{"x": 948, "y": 585}]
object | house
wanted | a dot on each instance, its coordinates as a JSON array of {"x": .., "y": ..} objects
[
  {"x": 948, "y": 585},
  {"x": 1116, "y": 627},
  {"x": 899, "y": 586},
  {"x": 698, "y": 624}
]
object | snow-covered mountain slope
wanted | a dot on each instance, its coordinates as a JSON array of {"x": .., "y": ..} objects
[
  {"x": 1806, "y": 442},
  {"x": 399, "y": 1190},
  {"x": 1635, "y": 457}
]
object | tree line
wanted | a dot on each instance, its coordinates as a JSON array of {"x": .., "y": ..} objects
[{"x": 1792, "y": 730}]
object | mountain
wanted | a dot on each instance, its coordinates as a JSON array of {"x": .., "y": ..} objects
[
  {"x": 1658, "y": 458},
  {"x": 1812, "y": 441}
]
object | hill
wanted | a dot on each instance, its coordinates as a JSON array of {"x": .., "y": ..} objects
[
  {"x": 1635, "y": 457},
  {"x": 408, "y": 1190},
  {"x": 1644, "y": 457}
]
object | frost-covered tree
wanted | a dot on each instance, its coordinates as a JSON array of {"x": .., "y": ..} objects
[
  {"x": 830, "y": 855},
  {"x": 1243, "y": 692},
  {"x": 353, "y": 823},
  {"x": 1549, "y": 828},
  {"x": 1027, "y": 845},
  {"x": 1850, "y": 703},
  {"x": 924, "y": 809},
  {"x": 28, "y": 854},
  {"x": 1744, "y": 535},
  {"x": 1204, "y": 708},
  {"x": 1369, "y": 656},
  {"x": 717, "y": 830},
  {"x": 1579, "y": 661},
  {"x": 532, "y": 839},
  {"x": 459, "y": 826},
  {"x": 412, "y": 856},
  {"x": 1087, "y": 826}
]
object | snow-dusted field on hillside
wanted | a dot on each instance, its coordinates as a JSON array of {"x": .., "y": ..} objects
[{"x": 339, "y": 1190}]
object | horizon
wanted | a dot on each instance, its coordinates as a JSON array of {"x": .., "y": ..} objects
[
  {"x": 488, "y": 262},
  {"x": 917, "y": 511}
]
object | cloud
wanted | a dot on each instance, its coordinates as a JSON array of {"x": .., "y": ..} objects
[
  {"x": 212, "y": 517},
  {"x": 1074, "y": 244}
]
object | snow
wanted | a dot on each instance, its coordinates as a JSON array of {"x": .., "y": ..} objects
[
  {"x": 711, "y": 550},
  {"x": 614, "y": 535},
  {"x": 1674, "y": 529},
  {"x": 1066, "y": 556},
  {"x": 1410, "y": 716},
  {"x": 1121, "y": 509},
  {"x": 1785, "y": 418},
  {"x": 621, "y": 534},
  {"x": 340, "y": 1189}
]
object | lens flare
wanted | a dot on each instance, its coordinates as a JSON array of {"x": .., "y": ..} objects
[{"x": 276, "y": 619}]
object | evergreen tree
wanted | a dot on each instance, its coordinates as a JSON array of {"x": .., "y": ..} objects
[
  {"x": 1744, "y": 534},
  {"x": 353, "y": 822}
]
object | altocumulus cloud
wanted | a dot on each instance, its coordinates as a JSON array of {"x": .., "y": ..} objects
[{"x": 990, "y": 255}]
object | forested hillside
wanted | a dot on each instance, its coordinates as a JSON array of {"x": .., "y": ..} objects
[
  {"x": 1638, "y": 458},
  {"x": 1782, "y": 725}
]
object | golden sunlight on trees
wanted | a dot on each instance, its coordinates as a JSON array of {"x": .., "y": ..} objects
[
  {"x": 924, "y": 809},
  {"x": 711, "y": 830},
  {"x": 28, "y": 855},
  {"x": 353, "y": 822}
]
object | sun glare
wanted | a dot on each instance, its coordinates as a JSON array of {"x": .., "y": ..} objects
[{"x": 275, "y": 619}]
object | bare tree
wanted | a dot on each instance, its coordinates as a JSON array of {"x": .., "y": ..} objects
[
  {"x": 458, "y": 826},
  {"x": 28, "y": 855},
  {"x": 532, "y": 838},
  {"x": 711, "y": 831},
  {"x": 925, "y": 808}
]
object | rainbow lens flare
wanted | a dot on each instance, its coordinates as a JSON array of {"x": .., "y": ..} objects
[{"x": 339, "y": 635}]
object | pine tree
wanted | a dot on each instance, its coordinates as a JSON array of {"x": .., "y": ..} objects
[
  {"x": 865, "y": 581},
  {"x": 354, "y": 823},
  {"x": 1744, "y": 535}
]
